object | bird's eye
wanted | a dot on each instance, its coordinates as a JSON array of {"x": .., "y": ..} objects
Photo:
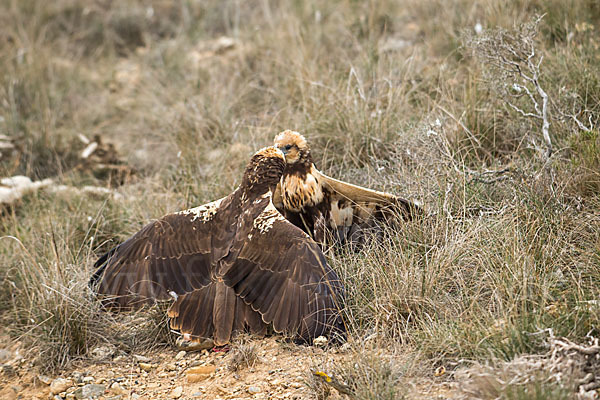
[{"x": 289, "y": 146}]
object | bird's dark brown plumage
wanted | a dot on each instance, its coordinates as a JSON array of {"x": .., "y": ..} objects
[
  {"x": 328, "y": 209},
  {"x": 235, "y": 264}
]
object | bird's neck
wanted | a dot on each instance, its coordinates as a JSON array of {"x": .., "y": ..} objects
[
  {"x": 252, "y": 192},
  {"x": 300, "y": 168}
]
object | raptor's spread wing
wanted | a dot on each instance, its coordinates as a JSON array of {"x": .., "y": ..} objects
[
  {"x": 171, "y": 254},
  {"x": 344, "y": 211},
  {"x": 282, "y": 275}
]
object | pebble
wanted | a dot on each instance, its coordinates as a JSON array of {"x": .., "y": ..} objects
[
  {"x": 90, "y": 391},
  {"x": 195, "y": 378},
  {"x": 146, "y": 367},
  {"x": 170, "y": 367},
  {"x": 46, "y": 380},
  {"x": 116, "y": 388},
  {"x": 8, "y": 370},
  {"x": 180, "y": 355},
  {"x": 177, "y": 392},
  {"x": 140, "y": 358},
  {"x": 60, "y": 385},
  {"x": 202, "y": 369},
  {"x": 102, "y": 352},
  {"x": 88, "y": 379},
  {"x": 253, "y": 389}
]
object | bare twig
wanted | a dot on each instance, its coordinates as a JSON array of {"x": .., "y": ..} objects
[{"x": 513, "y": 56}]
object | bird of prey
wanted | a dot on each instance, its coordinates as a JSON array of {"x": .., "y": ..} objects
[
  {"x": 326, "y": 208},
  {"x": 234, "y": 264}
]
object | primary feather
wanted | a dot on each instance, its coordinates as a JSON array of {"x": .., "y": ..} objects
[{"x": 234, "y": 264}]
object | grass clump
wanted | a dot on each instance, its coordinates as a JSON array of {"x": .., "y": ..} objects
[{"x": 366, "y": 375}]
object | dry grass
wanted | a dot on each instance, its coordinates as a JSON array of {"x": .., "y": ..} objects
[{"x": 389, "y": 93}]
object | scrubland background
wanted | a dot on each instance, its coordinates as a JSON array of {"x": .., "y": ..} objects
[{"x": 419, "y": 98}]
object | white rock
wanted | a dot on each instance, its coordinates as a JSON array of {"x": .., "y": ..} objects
[
  {"x": 177, "y": 392},
  {"x": 141, "y": 358},
  {"x": 253, "y": 389}
]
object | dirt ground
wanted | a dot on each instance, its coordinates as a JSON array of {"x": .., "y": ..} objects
[{"x": 258, "y": 369}]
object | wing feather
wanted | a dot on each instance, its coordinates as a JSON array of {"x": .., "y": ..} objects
[
  {"x": 170, "y": 254},
  {"x": 278, "y": 283}
]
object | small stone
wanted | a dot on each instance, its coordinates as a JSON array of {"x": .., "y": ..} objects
[
  {"x": 70, "y": 396},
  {"x": 116, "y": 388},
  {"x": 8, "y": 370},
  {"x": 253, "y": 389},
  {"x": 180, "y": 355},
  {"x": 146, "y": 367},
  {"x": 195, "y": 378},
  {"x": 135, "y": 396},
  {"x": 202, "y": 369},
  {"x": 177, "y": 392},
  {"x": 320, "y": 341},
  {"x": 102, "y": 352},
  {"x": 46, "y": 380},
  {"x": 171, "y": 367},
  {"x": 89, "y": 391},
  {"x": 200, "y": 373},
  {"x": 222, "y": 389},
  {"x": 296, "y": 385},
  {"x": 77, "y": 377},
  {"x": 88, "y": 379},
  {"x": 60, "y": 385},
  {"x": 140, "y": 358}
]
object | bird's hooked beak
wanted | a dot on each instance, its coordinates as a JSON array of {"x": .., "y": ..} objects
[{"x": 283, "y": 150}]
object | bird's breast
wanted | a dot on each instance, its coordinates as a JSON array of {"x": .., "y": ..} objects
[{"x": 299, "y": 192}]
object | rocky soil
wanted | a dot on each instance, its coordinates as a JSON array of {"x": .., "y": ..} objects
[{"x": 258, "y": 369}]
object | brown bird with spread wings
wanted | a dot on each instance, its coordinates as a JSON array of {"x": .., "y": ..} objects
[
  {"x": 234, "y": 264},
  {"x": 326, "y": 208}
]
